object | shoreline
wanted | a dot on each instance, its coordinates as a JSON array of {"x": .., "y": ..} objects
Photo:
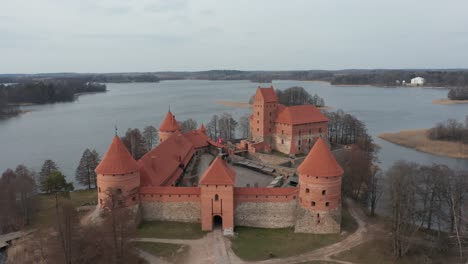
[
  {"x": 416, "y": 139},
  {"x": 445, "y": 101}
]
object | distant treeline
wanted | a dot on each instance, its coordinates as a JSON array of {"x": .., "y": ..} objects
[
  {"x": 85, "y": 77},
  {"x": 390, "y": 77},
  {"x": 43, "y": 92},
  {"x": 439, "y": 77}
]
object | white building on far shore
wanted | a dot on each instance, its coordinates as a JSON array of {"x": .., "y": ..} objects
[{"x": 418, "y": 81}]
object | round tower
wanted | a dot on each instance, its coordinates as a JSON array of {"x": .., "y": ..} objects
[
  {"x": 168, "y": 127},
  {"x": 118, "y": 177},
  {"x": 320, "y": 176}
]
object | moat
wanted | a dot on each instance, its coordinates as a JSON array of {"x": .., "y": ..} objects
[{"x": 62, "y": 131}]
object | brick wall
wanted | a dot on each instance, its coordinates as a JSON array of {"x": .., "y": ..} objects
[
  {"x": 171, "y": 211},
  {"x": 265, "y": 214},
  {"x": 317, "y": 222},
  {"x": 181, "y": 204},
  {"x": 265, "y": 207}
]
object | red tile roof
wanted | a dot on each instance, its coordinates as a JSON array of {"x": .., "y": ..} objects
[
  {"x": 169, "y": 124},
  {"x": 219, "y": 173},
  {"x": 117, "y": 160},
  {"x": 268, "y": 94},
  {"x": 320, "y": 162},
  {"x": 299, "y": 114},
  {"x": 160, "y": 166},
  {"x": 198, "y": 138}
]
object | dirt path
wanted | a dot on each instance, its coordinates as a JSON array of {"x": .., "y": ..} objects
[{"x": 215, "y": 248}]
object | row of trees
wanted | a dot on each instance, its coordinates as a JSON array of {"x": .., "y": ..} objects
[
  {"x": 222, "y": 126},
  {"x": 388, "y": 77},
  {"x": 48, "y": 91},
  {"x": 108, "y": 241},
  {"x": 450, "y": 130},
  {"x": 296, "y": 95},
  {"x": 430, "y": 197},
  {"x": 458, "y": 93},
  {"x": 17, "y": 198}
]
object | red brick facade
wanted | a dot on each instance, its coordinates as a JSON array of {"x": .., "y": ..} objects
[{"x": 290, "y": 130}]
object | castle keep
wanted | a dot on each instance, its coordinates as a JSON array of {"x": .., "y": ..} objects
[{"x": 152, "y": 182}]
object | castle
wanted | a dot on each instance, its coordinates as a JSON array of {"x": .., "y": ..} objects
[
  {"x": 290, "y": 130},
  {"x": 152, "y": 183}
]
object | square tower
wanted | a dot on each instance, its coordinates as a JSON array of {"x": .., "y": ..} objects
[{"x": 264, "y": 113}]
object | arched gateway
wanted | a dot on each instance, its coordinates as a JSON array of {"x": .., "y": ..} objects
[{"x": 217, "y": 196}]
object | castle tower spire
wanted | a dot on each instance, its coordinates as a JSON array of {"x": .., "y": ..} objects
[{"x": 168, "y": 126}]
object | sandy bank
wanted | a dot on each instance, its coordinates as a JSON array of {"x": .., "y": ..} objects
[
  {"x": 416, "y": 139},
  {"x": 445, "y": 101},
  {"x": 247, "y": 105}
]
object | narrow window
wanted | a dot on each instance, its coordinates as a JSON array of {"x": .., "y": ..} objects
[
  {"x": 327, "y": 204},
  {"x": 133, "y": 198},
  {"x": 99, "y": 189},
  {"x": 324, "y": 192},
  {"x": 258, "y": 121},
  {"x": 119, "y": 191},
  {"x": 312, "y": 204},
  {"x": 282, "y": 132},
  {"x": 307, "y": 190},
  {"x": 258, "y": 113},
  {"x": 258, "y": 129},
  {"x": 299, "y": 142},
  {"x": 216, "y": 198},
  {"x": 282, "y": 141}
]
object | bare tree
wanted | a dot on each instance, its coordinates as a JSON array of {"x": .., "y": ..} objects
[
  {"x": 244, "y": 126},
  {"x": 151, "y": 136},
  {"x": 188, "y": 125},
  {"x": 227, "y": 126},
  {"x": 403, "y": 202},
  {"x": 213, "y": 127},
  {"x": 374, "y": 189},
  {"x": 135, "y": 143},
  {"x": 85, "y": 173}
]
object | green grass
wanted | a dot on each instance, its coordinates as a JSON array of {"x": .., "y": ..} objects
[
  {"x": 261, "y": 243},
  {"x": 173, "y": 230},
  {"x": 171, "y": 252},
  {"x": 46, "y": 206},
  {"x": 380, "y": 251},
  {"x": 254, "y": 244}
]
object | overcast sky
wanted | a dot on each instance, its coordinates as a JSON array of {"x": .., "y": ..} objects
[{"x": 156, "y": 35}]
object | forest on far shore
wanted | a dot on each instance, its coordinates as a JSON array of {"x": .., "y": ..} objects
[{"x": 42, "y": 92}]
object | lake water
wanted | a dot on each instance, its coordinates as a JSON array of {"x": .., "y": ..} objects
[{"x": 62, "y": 131}]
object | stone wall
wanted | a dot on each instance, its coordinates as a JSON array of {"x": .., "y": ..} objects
[
  {"x": 318, "y": 222},
  {"x": 265, "y": 214},
  {"x": 171, "y": 211}
]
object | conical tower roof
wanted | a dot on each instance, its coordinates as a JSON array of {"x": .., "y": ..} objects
[
  {"x": 219, "y": 173},
  {"x": 320, "y": 162},
  {"x": 117, "y": 160},
  {"x": 202, "y": 128},
  {"x": 169, "y": 124}
]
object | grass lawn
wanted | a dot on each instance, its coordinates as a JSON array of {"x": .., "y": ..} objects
[
  {"x": 170, "y": 252},
  {"x": 174, "y": 230},
  {"x": 46, "y": 206},
  {"x": 380, "y": 251},
  {"x": 261, "y": 243}
]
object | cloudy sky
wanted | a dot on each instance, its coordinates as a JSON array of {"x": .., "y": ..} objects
[{"x": 157, "y": 35}]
